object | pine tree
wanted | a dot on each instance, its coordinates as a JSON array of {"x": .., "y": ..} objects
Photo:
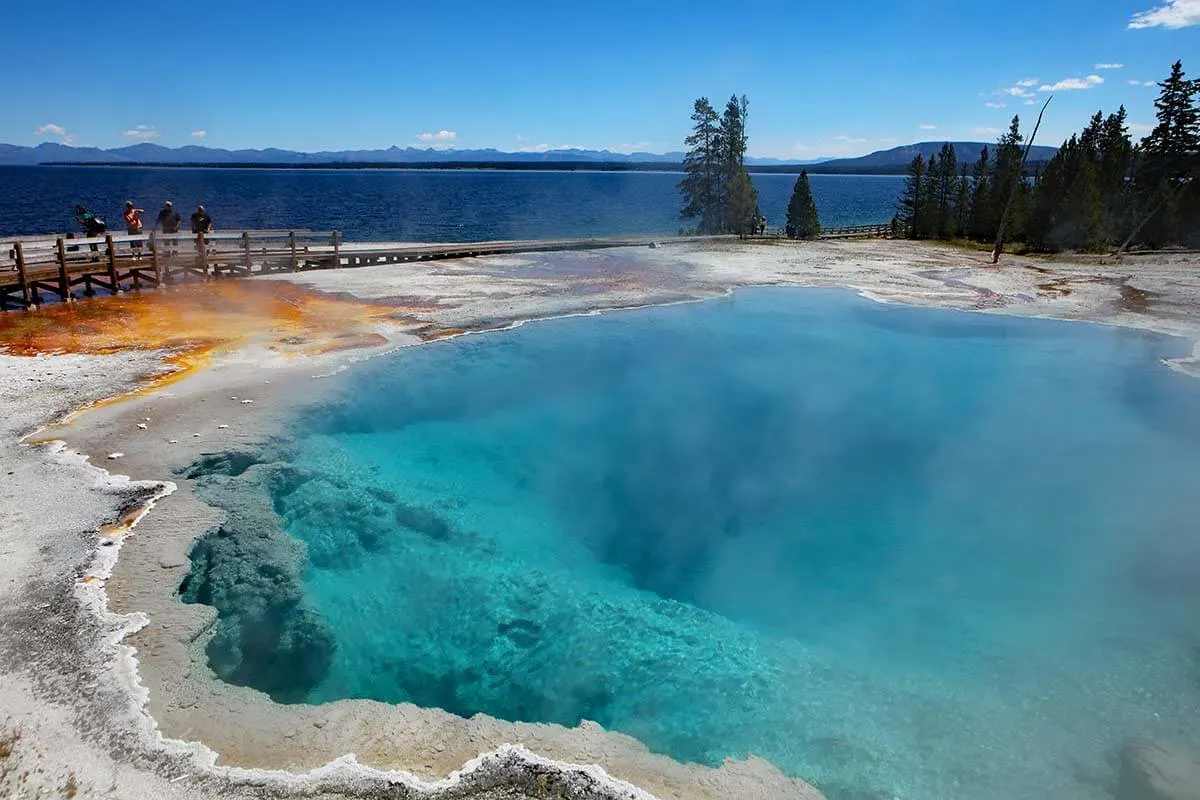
[
  {"x": 980, "y": 227},
  {"x": 1115, "y": 168},
  {"x": 701, "y": 186},
  {"x": 733, "y": 142},
  {"x": 1049, "y": 199},
  {"x": 947, "y": 172},
  {"x": 741, "y": 203},
  {"x": 927, "y": 216},
  {"x": 1168, "y": 160},
  {"x": 908, "y": 208},
  {"x": 1171, "y": 148},
  {"x": 962, "y": 203},
  {"x": 1086, "y": 217},
  {"x": 1007, "y": 180},
  {"x": 733, "y": 133},
  {"x": 802, "y": 219}
]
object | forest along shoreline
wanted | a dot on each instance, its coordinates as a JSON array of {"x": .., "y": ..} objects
[
  {"x": 114, "y": 717},
  {"x": 1102, "y": 192}
]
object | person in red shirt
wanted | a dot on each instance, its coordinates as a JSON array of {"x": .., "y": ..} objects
[{"x": 133, "y": 225}]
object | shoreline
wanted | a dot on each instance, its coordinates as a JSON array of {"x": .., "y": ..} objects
[{"x": 499, "y": 287}]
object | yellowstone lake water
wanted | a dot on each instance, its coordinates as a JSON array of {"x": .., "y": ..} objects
[
  {"x": 898, "y": 552},
  {"x": 413, "y": 205}
]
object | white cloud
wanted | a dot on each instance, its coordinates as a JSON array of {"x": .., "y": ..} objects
[
  {"x": 1031, "y": 102},
  {"x": 1175, "y": 14},
  {"x": 1016, "y": 91},
  {"x": 1140, "y": 127},
  {"x": 542, "y": 148},
  {"x": 1109, "y": 66},
  {"x": 801, "y": 147},
  {"x": 50, "y": 129},
  {"x": 141, "y": 133},
  {"x": 438, "y": 140},
  {"x": 996, "y": 105},
  {"x": 629, "y": 148},
  {"x": 1025, "y": 84},
  {"x": 985, "y": 130},
  {"x": 200, "y": 134},
  {"x": 926, "y": 126},
  {"x": 848, "y": 139},
  {"x": 1142, "y": 83},
  {"x": 1073, "y": 84}
]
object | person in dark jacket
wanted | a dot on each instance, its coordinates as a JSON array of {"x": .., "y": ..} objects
[
  {"x": 92, "y": 225},
  {"x": 168, "y": 219},
  {"x": 201, "y": 221}
]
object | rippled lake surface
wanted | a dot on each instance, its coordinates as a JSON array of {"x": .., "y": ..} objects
[
  {"x": 901, "y": 553},
  {"x": 411, "y": 205}
]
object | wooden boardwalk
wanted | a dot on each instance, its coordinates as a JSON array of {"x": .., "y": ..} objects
[
  {"x": 33, "y": 268},
  {"x": 857, "y": 232}
]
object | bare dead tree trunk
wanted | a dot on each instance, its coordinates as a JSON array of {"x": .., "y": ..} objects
[
  {"x": 1138, "y": 228},
  {"x": 1013, "y": 191}
]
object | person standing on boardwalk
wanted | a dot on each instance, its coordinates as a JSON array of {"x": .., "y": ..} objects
[
  {"x": 92, "y": 225},
  {"x": 168, "y": 218},
  {"x": 133, "y": 225},
  {"x": 201, "y": 221}
]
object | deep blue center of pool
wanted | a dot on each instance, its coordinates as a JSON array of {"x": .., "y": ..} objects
[{"x": 898, "y": 552}]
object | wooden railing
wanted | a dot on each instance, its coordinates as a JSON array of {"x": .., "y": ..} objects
[
  {"x": 848, "y": 231},
  {"x": 32, "y": 265},
  {"x": 840, "y": 232}
]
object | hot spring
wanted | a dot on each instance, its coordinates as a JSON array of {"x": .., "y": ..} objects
[{"x": 901, "y": 553}]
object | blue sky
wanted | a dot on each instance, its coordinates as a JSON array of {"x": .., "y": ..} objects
[{"x": 832, "y": 79}]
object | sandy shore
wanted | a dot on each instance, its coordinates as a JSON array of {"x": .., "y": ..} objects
[{"x": 106, "y": 687}]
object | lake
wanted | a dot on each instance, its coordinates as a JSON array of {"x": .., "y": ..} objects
[{"x": 411, "y": 205}]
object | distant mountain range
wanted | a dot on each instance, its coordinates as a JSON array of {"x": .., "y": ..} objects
[
  {"x": 898, "y": 158},
  {"x": 148, "y": 153},
  {"x": 890, "y": 161}
]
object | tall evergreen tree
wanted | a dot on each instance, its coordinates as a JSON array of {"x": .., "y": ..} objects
[
  {"x": 1169, "y": 163},
  {"x": 1007, "y": 180},
  {"x": 1172, "y": 147},
  {"x": 733, "y": 148},
  {"x": 910, "y": 204},
  {"x": 927, "y": 217},
  {"x": 741, "y": 203},
  {"x": 962, "y": 203},
  {"x": 947, "y": 173},
  {"x": 802, "y": 219},
  {"x": 980, "y": 227},
  {"x": 701, "y": 185},
  {"x": 1115, "y": 169},
  {"x": 733, "y": 132}
]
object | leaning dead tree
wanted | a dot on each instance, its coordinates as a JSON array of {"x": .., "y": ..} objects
[
  {"x": 1138, "y": 228},
  {"x": 1013, "y": 191},
  {"x": 1171, "y": 190}
]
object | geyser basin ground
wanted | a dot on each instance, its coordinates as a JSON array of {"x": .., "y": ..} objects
[{"x": 898, "y": 552}]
